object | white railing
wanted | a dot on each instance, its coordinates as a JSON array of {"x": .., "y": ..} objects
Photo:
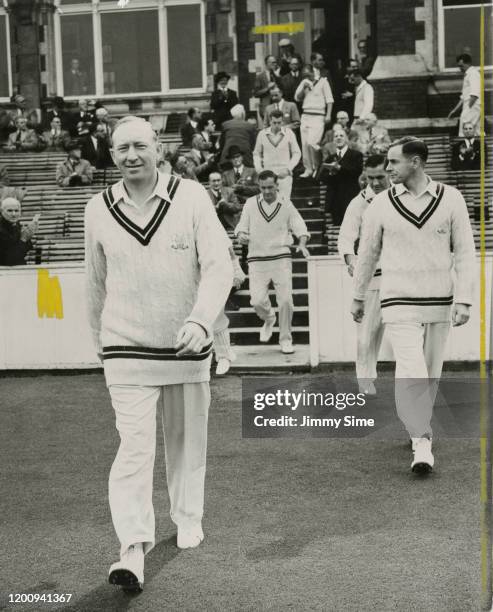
[
  {"x": 29, "y": 339},
  {"x": 333, "y": 332}
]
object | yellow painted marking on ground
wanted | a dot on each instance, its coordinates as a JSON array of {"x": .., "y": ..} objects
[
  {"x": 280, "y": 28},
  {"x": 50, "y": 302}
]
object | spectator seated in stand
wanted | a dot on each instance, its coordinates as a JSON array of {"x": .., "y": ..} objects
[
  {"x": 55, "y": 139},
  {"x": 24, "y": 138},
  {"x": 57, "y": 110},
  {"x": 242, "y": 178},
  {"x": 191, "y": 126},
  {"x": 201, "y": 160},
  {"x": 466, "y": 152},
  {"x": 342, "y": 120},
  {"x": 82, "y": 116},
  {"x": 15, "y": 238},
  {"x": 372, "y": 138},
  {"x": 207, "y": 129},
  {"x": 74, "y": 171},
  {"x": 238, "y": 133},
  {"x": 105, "y": 123},
  {"x": 179, "y": 165},
  {"x": 95, "y": 147},
  {"x": 21, "y": 110}
]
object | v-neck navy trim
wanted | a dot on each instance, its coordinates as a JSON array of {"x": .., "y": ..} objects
[
  {"x": 142, "y": 234},
  {"x": 417, "y": 220},
  {"x": 267, "y": 217}
]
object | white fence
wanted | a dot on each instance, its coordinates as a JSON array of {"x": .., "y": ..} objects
[
  {"x": 333, "y": 332},
  {"x": 31, "y": 339}
]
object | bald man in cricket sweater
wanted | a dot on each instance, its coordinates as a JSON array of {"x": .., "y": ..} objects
[
  {"x": 420, "y": 231},
  {"x": 158, "y": 275}
]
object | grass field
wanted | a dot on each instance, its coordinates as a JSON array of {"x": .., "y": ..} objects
[{"x": 332, "y": 525}]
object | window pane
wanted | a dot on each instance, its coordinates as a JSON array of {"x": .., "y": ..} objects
[
  {"x": 462, "y": 34},
  {"x": 78, "y": 55},
  {"x": 184, "y": 46},
  {"x": 130, "y": 52},
  {"x": 4, "y": 75}
]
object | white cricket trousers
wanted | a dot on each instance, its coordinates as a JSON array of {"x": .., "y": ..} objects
[
  {"x": 285, "y": 187},
  {"x": 369, "y": 334},
  {"x": 280, "y": 273},
  {"x": 312, "y": 130},
  {"x": 184, "y": 411},
  {"x": 418, "y": 350}
]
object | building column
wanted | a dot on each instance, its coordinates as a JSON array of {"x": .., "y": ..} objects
[
  {"x": 401, "y": 73},
  {"x": 25, "y": 50}
]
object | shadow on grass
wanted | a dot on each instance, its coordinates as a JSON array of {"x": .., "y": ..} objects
[{"x": 112, "y": 599}]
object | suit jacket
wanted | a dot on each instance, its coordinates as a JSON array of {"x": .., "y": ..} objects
[
  {"x": 290, "y": 115},
  {"x": 240, "y": 133},
  {"x": 261, "y": 88},
  {"x": 187, "y": 133},
  {"x": 99, "y": 157},
  {"x": 228, "y": 207},
  {"x": 55, "y": 143},
  {"x": 201, "y": 164},
  {"x": 246, "y": 186},
  {"x": 343, "y": 186},
  {"x": 4, "y": 176},
  {"x": 65, "y": 169},
  {"x": 221, "y": 104},
  {"x": 465, "y": 157},
  {"x": 26, "y": 141},
  {"x": 12, "y": 249},
  {"x": 289, "y": 85},
  {"x": 65, "y": 119},
  {"x": 77, "y": 118}
]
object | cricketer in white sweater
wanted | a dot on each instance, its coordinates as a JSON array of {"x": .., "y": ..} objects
[
  {"x": 420, "y": 242},
  {"x": 144, "y": 283}
]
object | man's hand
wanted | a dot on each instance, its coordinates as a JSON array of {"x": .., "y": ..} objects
[
  {"x": 358, "y": 310},
  {"x": 243, "y": 238},
  {"x": 351, "y": 263},
  {"x": 301, "y": 248},
  {"x": 460, "y": 314},
  {"x": 190, "y": 339}
]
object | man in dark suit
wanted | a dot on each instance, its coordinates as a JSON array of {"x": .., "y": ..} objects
[
  {"x": 291, "y": 80},
  {"x": 82, "y": 116},
  {"x": 286, "y": 54},
  {"x": 201, "y": 160},
  {"x": 340, "y": 171},
  {"x": 191, "y": 126},
  {"x": 466, "y": 153},
  {"x": 240, "y": 133},
  {"x": 264, "y": 82},
  {"x": 95, "y": 148},
  {"x": 242, "y": 178},
  {"x": 222, "y": 99}
]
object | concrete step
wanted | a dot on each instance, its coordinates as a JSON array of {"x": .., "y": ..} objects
[
  {"x": 242, "y": 335},
  {"x": 247, "y": 318}
]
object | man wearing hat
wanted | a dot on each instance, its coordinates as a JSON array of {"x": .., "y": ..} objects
[
  {"x": 243, "y": 179},
  {"x": 222, "y": 99},
  {"x": 74, "y": 171}
]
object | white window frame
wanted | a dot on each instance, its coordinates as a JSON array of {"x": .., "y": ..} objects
[
  {"x": 97, "y": 8},
  {"x": 441, "y": 35},
  {"x": 5, "y": 14}
]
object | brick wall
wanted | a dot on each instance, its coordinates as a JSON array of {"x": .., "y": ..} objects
[
  {"x": 397, "y": 28},
  {"x": 406, "y": 97}
]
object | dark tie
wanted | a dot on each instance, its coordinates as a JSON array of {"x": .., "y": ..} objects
[
  {"x": 18, "y": 138},
  {"x": 339, "y": 154},
  {"x": 237, "y": 175}
]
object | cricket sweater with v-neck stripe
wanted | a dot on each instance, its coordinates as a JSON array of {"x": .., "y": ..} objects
[
  {"x": 270, "y": 228},
  {"x": 147, "y": 274},
  {"x": 426, "y": 251}
]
